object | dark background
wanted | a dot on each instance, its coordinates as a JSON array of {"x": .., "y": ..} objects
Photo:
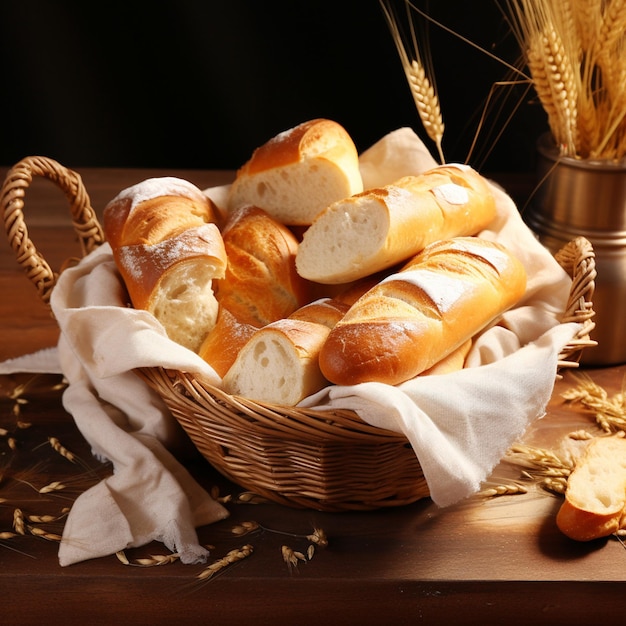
[{"x": 199, "y": 84}]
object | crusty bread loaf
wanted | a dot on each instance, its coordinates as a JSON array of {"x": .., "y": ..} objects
[
  {"x": 154, "y": 210},
  {"x": 260, "y": 284},
  {"x": 299, "y": 172},
  {"x": 279, "y": 363},
  {"x": 226, "y": 339},
  {"x": 371, "y": 231},
  {"x": 168, "y": 251},
  {"x": 414, "y": 318},
  {"x": 595, "y": 498}
]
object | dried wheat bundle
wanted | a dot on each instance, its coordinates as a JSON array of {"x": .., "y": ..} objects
[{"x": 575, "y": 51}]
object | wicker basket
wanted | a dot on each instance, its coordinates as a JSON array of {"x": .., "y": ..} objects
[{"x": 325, "y": 460}]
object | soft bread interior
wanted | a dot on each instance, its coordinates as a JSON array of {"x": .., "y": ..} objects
[
  {"x": 351, "y": 233},
  {"x": 595, "y": 499},
  {"x": 599, "y": 483},
  {"x": 294, "y": 194},
  {"x": 184, "y": 302},
  {"x": 279, "y": 365}
]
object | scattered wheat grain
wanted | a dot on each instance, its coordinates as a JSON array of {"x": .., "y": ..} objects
[
  {"x": 55, "y": 485},
  {"x": 503, "y": 490},
  {"x": 44, "y": 534},
  {"x": 42, "y": 519},
  {"x": 318, "y": 537},
  {"x": 218, "y": 566},
  {"x": 291, "y": 557},
  {"x": 7, "y": 535},
  {"x": 18, "y": 522},
  {"x": 121, "y": 556},
  {"x": 245, "y": 527},
  {"x": 61, "y": 449},
  {"x": 580, "y": 435}
]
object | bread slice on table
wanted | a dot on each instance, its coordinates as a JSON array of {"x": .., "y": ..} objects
[{"x": 595, "y": 498}]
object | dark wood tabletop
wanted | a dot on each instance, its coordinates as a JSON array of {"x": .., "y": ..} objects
[{"x": 487, "y": 560}]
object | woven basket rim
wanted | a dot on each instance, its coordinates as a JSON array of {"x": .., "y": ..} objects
[{"x": 576, "y": 258}]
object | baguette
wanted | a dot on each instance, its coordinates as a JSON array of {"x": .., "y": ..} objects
[
  {"x": 224, "y": 342},
  {"x": 279, "y": 363},
  {"x": 595, "y": 498},
  {"x": 260, "y": 284},
  {"x": 299, "y": 172},
  {"x": 374, "y": 230},
  {"x": 413, "y": 319},
  {"x": 168, "y": 251}
]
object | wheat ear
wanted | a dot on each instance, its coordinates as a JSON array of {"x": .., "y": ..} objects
[{"x": 427, "y": 103}]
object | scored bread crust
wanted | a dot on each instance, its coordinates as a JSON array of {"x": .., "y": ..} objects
[
  {"x": 299, "y": 172},
  {"x": 413, "y": 319},
  {"x": 146, "y": 268},
  {"x": 155, "y": 209},
  {"x": 260, "y": 284},
  {"x": 378, "y": 228},
  {"x": 595, "y": 498}
]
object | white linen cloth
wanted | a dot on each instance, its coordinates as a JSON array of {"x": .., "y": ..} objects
[
  {"x": 460, "y": 424},
  {"x": 150, "y": 496}
]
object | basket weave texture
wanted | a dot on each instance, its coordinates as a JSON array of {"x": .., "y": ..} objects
[{"x": 325, "y": 460}]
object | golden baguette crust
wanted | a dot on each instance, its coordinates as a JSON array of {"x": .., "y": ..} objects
[
  {"x": 299, "y": 172},
  {"x": 374, "y": 230},
  {"x": 155, "y": 209},
  {"x": 453, "y": 362},
  {"x": 144, "y": 267},
  {"x": 413, "y": 319},
  {"x": 260, "y": 284},
  {"x": 224, "y": 342},
  {"x": 595, "y": 498}
]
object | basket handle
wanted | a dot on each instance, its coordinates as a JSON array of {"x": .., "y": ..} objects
[
  {"x": 577, "y": 258},
  {"x": 84, "y": 219}
]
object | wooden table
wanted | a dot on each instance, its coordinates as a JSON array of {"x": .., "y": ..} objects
[{"x": 498, "y": 560}]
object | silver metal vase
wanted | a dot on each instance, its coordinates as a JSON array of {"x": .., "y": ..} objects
[{"x": 579, "y": 197}]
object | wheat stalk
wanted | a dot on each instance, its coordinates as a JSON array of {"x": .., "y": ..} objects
[
  {"x": 231, "y": 558},
  {"x": 575, "y": 52},
  {"x": 587, "y": 15},
  {"x": 609, "y": 411},
  {"x": 420, "y": 79},
  {"x": 509, "y": 489},
  {"x": 426, "y": 102}
]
